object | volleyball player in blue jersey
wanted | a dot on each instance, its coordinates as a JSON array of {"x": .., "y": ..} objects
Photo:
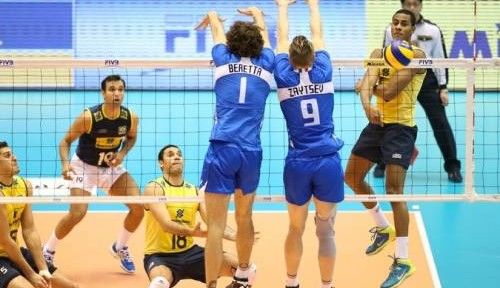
[
  {"x": 244, "y": 63},
  {"x": 303, "y": 74}
]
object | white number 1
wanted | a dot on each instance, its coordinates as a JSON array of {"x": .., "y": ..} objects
[
  {"x": 243, "y": 89},
  {"x": 305, "y": 106}
]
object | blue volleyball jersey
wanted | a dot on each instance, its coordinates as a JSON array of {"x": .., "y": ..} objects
[
  {"x": 306, "y": 100},
  {"x": 241, "y": 87}
]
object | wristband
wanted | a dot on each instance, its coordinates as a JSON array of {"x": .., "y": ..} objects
[{"x": 45, "y": 274}]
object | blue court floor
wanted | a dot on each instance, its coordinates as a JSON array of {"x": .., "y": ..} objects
[{"x": 464, "y": 236}]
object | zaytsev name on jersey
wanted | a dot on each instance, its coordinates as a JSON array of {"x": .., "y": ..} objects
[
  {"x": 14, "y": 210},
  {"x": 306, "y": 100},
  {"x": 104, "y": 136},
  {"x": 158, "y": 241},
  {"x": 242, "y": 86}
]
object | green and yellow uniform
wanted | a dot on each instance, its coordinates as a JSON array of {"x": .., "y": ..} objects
[
  {"x": 159, "y": 241},
  {"x": 400, "y": 109},
  {"x": 14, "y": 210}
]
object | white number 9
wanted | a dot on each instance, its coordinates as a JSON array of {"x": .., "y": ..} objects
[{"x": 310, "y": 110}]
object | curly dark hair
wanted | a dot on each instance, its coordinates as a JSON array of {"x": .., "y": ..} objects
[
  {"x": 301, "y": 52},
  {"x": 244, "y": 39}
]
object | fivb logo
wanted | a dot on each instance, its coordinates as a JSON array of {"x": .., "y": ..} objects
[
  {"x": 6, "y": 62},
  {"x": 111, "y": 62},
  {"x": 425, "y": 62}
]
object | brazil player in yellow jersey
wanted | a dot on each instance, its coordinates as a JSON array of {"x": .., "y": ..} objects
[
  {"x": 21, "y": 267},
  {"x": 390, "y": 138},
  {"x": 171, "y": 254}
]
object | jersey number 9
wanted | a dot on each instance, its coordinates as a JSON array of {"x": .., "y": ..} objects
[{"x": 310, "y": 110}]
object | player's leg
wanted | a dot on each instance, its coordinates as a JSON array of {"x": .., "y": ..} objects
[
  {"x": 76, "y": 213},
  {"x": 328, "y": 183},
  {"x": 125, "y": 186},
  {"x": 247, "y": 180},
  {"x": 18, "y": 282},
  {"x": 245, "y": 233},
  {"x": 59, "y": 280},
  {"x": 160, "y": 277},
  {"x": 400, "y": 141},
  {"x": 327, "y": 250},
  {"x": 366, "y": 151},
  {"x": 436, "y": 113},
  {"x": 297, "y": 178},
  {"x": 217, "y": 206},
  {"x": 355, "y": 174},
  {"x": 84, "y": 183},
  {"x": 229, "y": 265},
  {"x": 297, "y": 215},
  {"x": 120, "y": 183}
]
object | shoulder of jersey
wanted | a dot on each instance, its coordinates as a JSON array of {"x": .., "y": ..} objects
[{"x": 429, "y": 22}]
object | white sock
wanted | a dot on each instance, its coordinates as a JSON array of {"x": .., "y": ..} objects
[
  {"x": 52, "y": 242},
  {"x": 252, "y": 274},
  {"x": 327, "y": 285},
  {"x": 402, "y": 247},
  {"x": 292, "y": 281},
  {"x": 159, "y": 282},
  {"x": 242, "y": 272},
  {"x": 378, "y": 216},
  {"x": 122, "y": 239}
]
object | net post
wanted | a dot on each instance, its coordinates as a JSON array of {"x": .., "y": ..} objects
[{"x": 469, "y": 133}]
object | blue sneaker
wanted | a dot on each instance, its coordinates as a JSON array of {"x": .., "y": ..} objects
[
  {"x": 125, "y": 259},
  {"x": 380, "y": 237},
  {"x": 400, "y": 270}
]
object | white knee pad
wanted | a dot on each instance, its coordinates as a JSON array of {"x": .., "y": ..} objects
[
  {"x": 326, "y": 236},
  {"x": 159, "y": 282}
]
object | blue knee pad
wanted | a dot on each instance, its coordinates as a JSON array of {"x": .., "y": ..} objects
[{"x": 326, "y": 236}]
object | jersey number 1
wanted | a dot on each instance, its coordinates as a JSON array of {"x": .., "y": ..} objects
[
  {"x": 243, "y": 90},
  {"x": 310, "y": 110}
]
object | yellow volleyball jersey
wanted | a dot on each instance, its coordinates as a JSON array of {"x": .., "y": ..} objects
[
  {"x": 158, "y": 241},
  {"x": 401, "y": 109},
  {"x": 14, "y": 210}
]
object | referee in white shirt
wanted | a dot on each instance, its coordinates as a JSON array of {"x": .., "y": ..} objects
[{"x": 433, "y": 95}]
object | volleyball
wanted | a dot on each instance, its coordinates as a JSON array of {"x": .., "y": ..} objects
[{"x": 398, "y": 55}]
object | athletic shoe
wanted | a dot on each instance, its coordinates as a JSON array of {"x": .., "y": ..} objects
[
  {"x": 380, "y": 238},
  {"x": 239, "y": 283},
  {"x": 455, "y": 176},
  {"x": 48, "y": 255},
  {"x": 126, "y": 262},
  {"x": 245, "y": 282},
  {"x": 400, "y": 270}
]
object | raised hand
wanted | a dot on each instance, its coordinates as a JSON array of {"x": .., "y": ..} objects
[
  {"x": 285, "y": 2},
  {"x": 205, "y": 21},
  {"x": 251, "y": 11}
]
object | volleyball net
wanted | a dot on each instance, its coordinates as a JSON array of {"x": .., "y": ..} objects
[{"x": 40, "y": 98}]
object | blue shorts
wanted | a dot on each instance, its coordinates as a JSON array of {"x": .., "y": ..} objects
[
  {"x": 391, "y": 144},
  {"x": 322, "y": 177},
  {"x": 228, "y": 167}
]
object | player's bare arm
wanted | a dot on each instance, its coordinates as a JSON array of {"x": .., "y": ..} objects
[
  {"x": 391, "y": 88},
  {"x": 81, "y": 125},
  {"x": 163, "y": 218}
]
